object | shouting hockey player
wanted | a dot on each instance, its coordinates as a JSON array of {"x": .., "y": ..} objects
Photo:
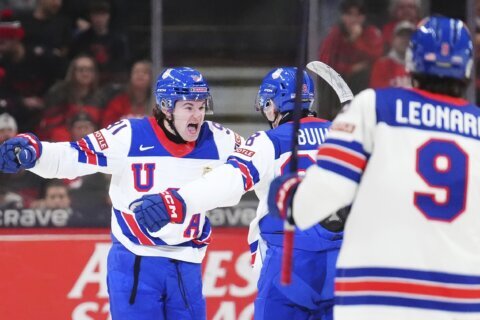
[
  {"x": 265, "y": 155},
  {"x": 408, "y": 159},
  {"x": 152, "y": 273}
]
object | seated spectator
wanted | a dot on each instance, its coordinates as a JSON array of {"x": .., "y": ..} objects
[
  {"x": 24, "y": 78},
  {"x": 390, "y": 69},
  {"x": 47, "y": 31},
  {"x": 56, "y": 195},
  {"x": 8, "y": 127},
  {"x": 77, "y": 93},
  {"x": 109, "y": 49},
  {"x": 89, "y": 194},
  {"x": 23, "y": 187},
  {"x": 9, "y": 200},
  {"x": 400, "y": 10},
  {"x": 78, "y": 126},
  {"x": 352, "y": 46},
  {"x": 135, "y": 101},
  {"x": 90, "y": 201}
]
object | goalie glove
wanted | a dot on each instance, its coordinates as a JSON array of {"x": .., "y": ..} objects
[
  {"x": 20, "y": 152},
  {"x": 280, "y": 196},
  {"x": 157, "y": 210}
]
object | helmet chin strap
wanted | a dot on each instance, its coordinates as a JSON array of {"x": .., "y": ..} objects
[
  {"x": 277, "y": 114},
  {"x": 175, "y": 136}
]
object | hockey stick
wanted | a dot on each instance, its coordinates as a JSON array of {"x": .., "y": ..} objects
[
  {"x": 288, "y": 229},
  {"x": 334, "y": 79},
  {"x": 345, "y": 95}
]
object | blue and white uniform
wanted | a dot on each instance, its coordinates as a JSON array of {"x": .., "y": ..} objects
[
  {"x": 408, "y": 160},
  {"x": 141, "y": 160},
  {"x": 264, "y": 156}
]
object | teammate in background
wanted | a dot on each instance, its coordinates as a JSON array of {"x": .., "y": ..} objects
[
  {"x": 265, "y": 155},
  {"x": 151, "y": 275},
  {"x": 408, "y": 159}
]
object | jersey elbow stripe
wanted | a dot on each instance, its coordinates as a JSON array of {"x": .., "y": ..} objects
[
  {"x": 102, "y": 160},
  {"x": 250, "y": 174},
  {"x": 340, "y": 169},
  {"x": 351, "y": 145},
  {"x": 346, "y": 156},
  {"x": 86, "y": 153}
]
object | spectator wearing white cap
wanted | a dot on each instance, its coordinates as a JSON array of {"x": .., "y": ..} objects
[
  {"x": 401, "y": 10},
  {"x": 390, "y": 69},
  {"x": 8, "y": 127}
]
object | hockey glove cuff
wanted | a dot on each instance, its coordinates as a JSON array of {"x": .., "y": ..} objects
[
  {"x": 280, "y": 196},
  {"x": 20, "y": 152},
  {"x": 157, "y": 210}
]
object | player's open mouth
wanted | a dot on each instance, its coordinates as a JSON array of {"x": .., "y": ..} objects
[{"x": 192, "y": 128}]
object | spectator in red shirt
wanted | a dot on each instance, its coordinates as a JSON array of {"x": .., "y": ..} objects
[
  {"x": 400, "y": 10},
  {"x": 79, "y": 92},
  {"x": 390, "y": 69},
  {"x": 134, "y": 102},
  {"x": 352, "y": 46},
  {"x": 24, "y": 77}
]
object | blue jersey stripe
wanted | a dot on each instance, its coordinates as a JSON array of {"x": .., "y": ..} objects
[
  {"x": 407, "y": 302},
  {"x": 102, "y": 160},
  {"x": 82, "y": 157},
  {"x": 253, "y": 171},
  {"x": 341, "y": 170},
  {"x": 352, "y": 145}
]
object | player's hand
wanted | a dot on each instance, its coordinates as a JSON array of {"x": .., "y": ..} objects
[
  {"x": 20, "y": 152},
  {"x": 157, "y": 210},
  {"x": 280, "y": 195}
]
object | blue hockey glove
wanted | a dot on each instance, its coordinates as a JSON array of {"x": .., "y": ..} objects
[
  {"x": 20, "y": 152},
  {"x": 154, "y": 211},
  {"x": 280, "y": 195}
]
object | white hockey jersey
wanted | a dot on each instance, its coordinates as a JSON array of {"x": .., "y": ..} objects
[
  {"x": 409, "y": 161},
  {"x": 142, "y": 160},
  {"x": 253, "y": 166}
]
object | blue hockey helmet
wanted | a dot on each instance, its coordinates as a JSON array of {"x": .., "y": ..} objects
[
  {"x": 279, "y": 86},
  {"x": 182, "y": 83},
  {"x": 441, "y": 47}
]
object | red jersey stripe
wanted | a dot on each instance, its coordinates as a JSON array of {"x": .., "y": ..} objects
[
  {"x": 342, "y": 155},
  {"x": 409, "y": 288},
  {"x": 132, "y": 224},
  {"x": 91, "y": 157}
]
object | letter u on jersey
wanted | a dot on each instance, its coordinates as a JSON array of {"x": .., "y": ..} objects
[{"x": 143, "y": 182}]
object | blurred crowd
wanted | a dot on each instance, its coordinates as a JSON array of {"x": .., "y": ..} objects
[
  {"x": 369, "y": 55},
  {"x": 366, "y": 55},
  {"x": 63, "y": 77},
  {"x": 67, "y": 73}
]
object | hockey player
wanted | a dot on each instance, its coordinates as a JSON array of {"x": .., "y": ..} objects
[
  {"x": 151, "y": 275},
  {"x": 408, "y": 159},
  {"x": 265, "y": 155}
]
